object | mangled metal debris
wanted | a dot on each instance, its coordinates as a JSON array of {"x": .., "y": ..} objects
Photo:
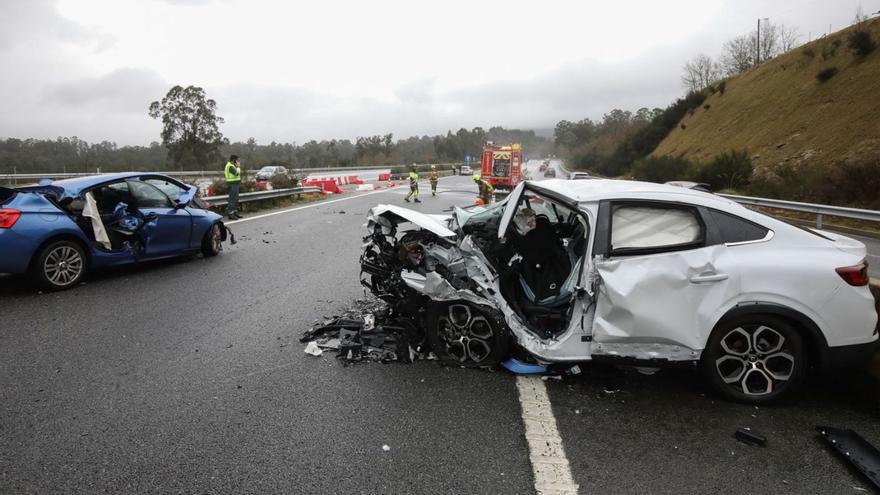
[
  {"x": 855, "y": 449},
  {"x": 746, "y": 435},
  {"x": 367, "y": 331}
]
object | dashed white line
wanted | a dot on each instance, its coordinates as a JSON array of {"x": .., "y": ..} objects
[{"x": 549, "y": 464}]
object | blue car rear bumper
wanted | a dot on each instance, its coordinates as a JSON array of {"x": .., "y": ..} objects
[{"x": 16, "y": 251}]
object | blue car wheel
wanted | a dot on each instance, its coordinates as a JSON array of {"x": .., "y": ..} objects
[
  {"x": 212, "y": 243},
  {"x": 60, "y": 265}
]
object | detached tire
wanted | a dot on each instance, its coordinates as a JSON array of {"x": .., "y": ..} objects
[
  {"x": 467, "y": 334},
  {"x": 754, "y": 359},
  {"x": 212, "y": 243},
  {"x": 59, "y": 265}
]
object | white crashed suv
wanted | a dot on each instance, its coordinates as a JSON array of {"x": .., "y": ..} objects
[{"x": 641, "y": 273}]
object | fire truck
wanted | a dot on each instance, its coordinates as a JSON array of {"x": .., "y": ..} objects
[{"x": 502, "y": 166}]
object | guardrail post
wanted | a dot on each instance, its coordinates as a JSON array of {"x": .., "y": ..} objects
[{"x": 818, "y": 220}]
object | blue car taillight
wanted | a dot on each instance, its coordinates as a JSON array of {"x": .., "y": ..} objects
[{"x": 8, "y": 217}]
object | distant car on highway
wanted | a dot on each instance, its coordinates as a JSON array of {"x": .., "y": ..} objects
[
  {"x": 266, "y": 174},
  {"x": 698, "y": 186},
  {"x": 579, "y": 176},
  {"x": 550, "y": 172},
  {"x": 627, "y": 272},
  {"x": 57, "y": 231},
  {"x": 466, "y": 170}
]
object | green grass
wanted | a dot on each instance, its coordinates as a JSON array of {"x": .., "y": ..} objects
[{"x": 779, "y": 112}]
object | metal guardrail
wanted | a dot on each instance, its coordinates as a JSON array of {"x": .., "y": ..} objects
[
  {"x": 222, "y": 200},
  {"x": 819, "y": 210},
  {"x": 71, "y": 175},
  {"x": 200, "y": 173}
]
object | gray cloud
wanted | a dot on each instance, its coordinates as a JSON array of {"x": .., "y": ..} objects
[
  {"x": 123, "y": 90},
  {"x": 573, "y": 92},
  {"x": 47, "y": 92},
  {"x": 33, "y": 24}
]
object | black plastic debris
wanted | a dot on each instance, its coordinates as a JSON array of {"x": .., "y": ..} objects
[
  {"x": 855, "y": 449},
  {"x": 368, "y": 331},
  {"x": 746, "y": 435}
]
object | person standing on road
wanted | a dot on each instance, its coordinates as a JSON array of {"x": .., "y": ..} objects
[
  {"x": 435, "y": 176},
  {"x": 232, "y": 172},
  {"x": 413, "y": 185},
  {"x": 485, "y": 189}
]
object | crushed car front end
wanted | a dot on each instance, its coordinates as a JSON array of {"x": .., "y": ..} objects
[{"x": 471, "y": 287}]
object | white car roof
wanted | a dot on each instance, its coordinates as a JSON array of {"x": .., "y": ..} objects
[{"x": 597, "y": 190}]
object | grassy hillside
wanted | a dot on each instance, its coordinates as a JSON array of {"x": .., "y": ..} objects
[{"x": 786, "y": 118}]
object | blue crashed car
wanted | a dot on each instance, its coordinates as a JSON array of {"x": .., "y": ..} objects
[{"x": 58, "y": 230}]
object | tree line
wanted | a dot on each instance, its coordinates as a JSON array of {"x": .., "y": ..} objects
[{"x": 71, "y": 154}]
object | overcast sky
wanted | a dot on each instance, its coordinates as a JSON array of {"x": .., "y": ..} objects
[{"x": 295, "y": 71}]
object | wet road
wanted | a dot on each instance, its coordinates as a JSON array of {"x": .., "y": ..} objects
[{"x": 187, "y": 376}]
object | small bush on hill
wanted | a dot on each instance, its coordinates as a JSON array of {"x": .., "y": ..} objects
[
  {"x": 826, "y": 74},
  {"x": 855, "y": 180},
  {"x": 661, "y": 169},
  {"x": 808, "y": 52},
  {"x": 732, "y": 170},
  {"x": 861, "y": 43},
  {"x": 722, "y": 86},
  {"x": 830, "y": 49}
]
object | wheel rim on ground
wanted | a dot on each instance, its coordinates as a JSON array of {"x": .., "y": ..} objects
[
  {"x": 467, "y": 337},
  {"x": 63, "y": 265},
  {"x": 755, "y": 360}
]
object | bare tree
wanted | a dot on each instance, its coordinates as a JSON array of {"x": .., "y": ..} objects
[
  {"x": 769, "y": 41},
  {"x": 743, "y": 52},
  {"x": 789, "y": 38},
  {"x": 860, "y": 15},
  {"x": 739, "y": 55},
  {"x": 700, "y": 72}
]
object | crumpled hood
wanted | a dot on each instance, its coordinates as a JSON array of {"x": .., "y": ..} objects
[{"x": 396, "y": 214}]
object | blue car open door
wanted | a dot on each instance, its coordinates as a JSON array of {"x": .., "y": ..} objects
[{"x": 173, "y": 229}]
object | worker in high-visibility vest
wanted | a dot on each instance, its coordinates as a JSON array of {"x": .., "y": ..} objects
[
  {"x": 232, "y": 173},
  {"x": 413, "y": 185},
  {"x": 485, "y": 189},
  {"x": 434, "y": 177}
]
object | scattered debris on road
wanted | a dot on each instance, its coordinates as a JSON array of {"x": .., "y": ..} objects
[
  {"x": 368, "y": 331},
  {"x": 746, "y": 435},
  {"x": 855, "y": 449},
  {"x": 313, "y": 349}
]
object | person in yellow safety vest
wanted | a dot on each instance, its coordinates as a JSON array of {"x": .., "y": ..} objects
[
  {"x": 485, "y": 189},
  {"x": 413, "y": 185},
  {"x": 232, "y": 172},
  {"x": 435, "y": 176}
]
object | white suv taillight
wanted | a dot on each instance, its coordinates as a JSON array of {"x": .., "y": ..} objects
[{"x": 856, "y": 275}]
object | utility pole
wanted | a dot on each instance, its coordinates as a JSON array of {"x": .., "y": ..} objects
[{"x": 758, "y": 44}]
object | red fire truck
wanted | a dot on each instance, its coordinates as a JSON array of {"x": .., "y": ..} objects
[{"x": 502, "y": 166}]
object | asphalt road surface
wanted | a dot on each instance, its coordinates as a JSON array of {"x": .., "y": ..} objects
[{"x": 187, "y": 377}]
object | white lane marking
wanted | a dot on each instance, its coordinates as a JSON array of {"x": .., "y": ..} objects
[
  {"x": 549, "y": 464},
  {"x": 317, "y": 203}
]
